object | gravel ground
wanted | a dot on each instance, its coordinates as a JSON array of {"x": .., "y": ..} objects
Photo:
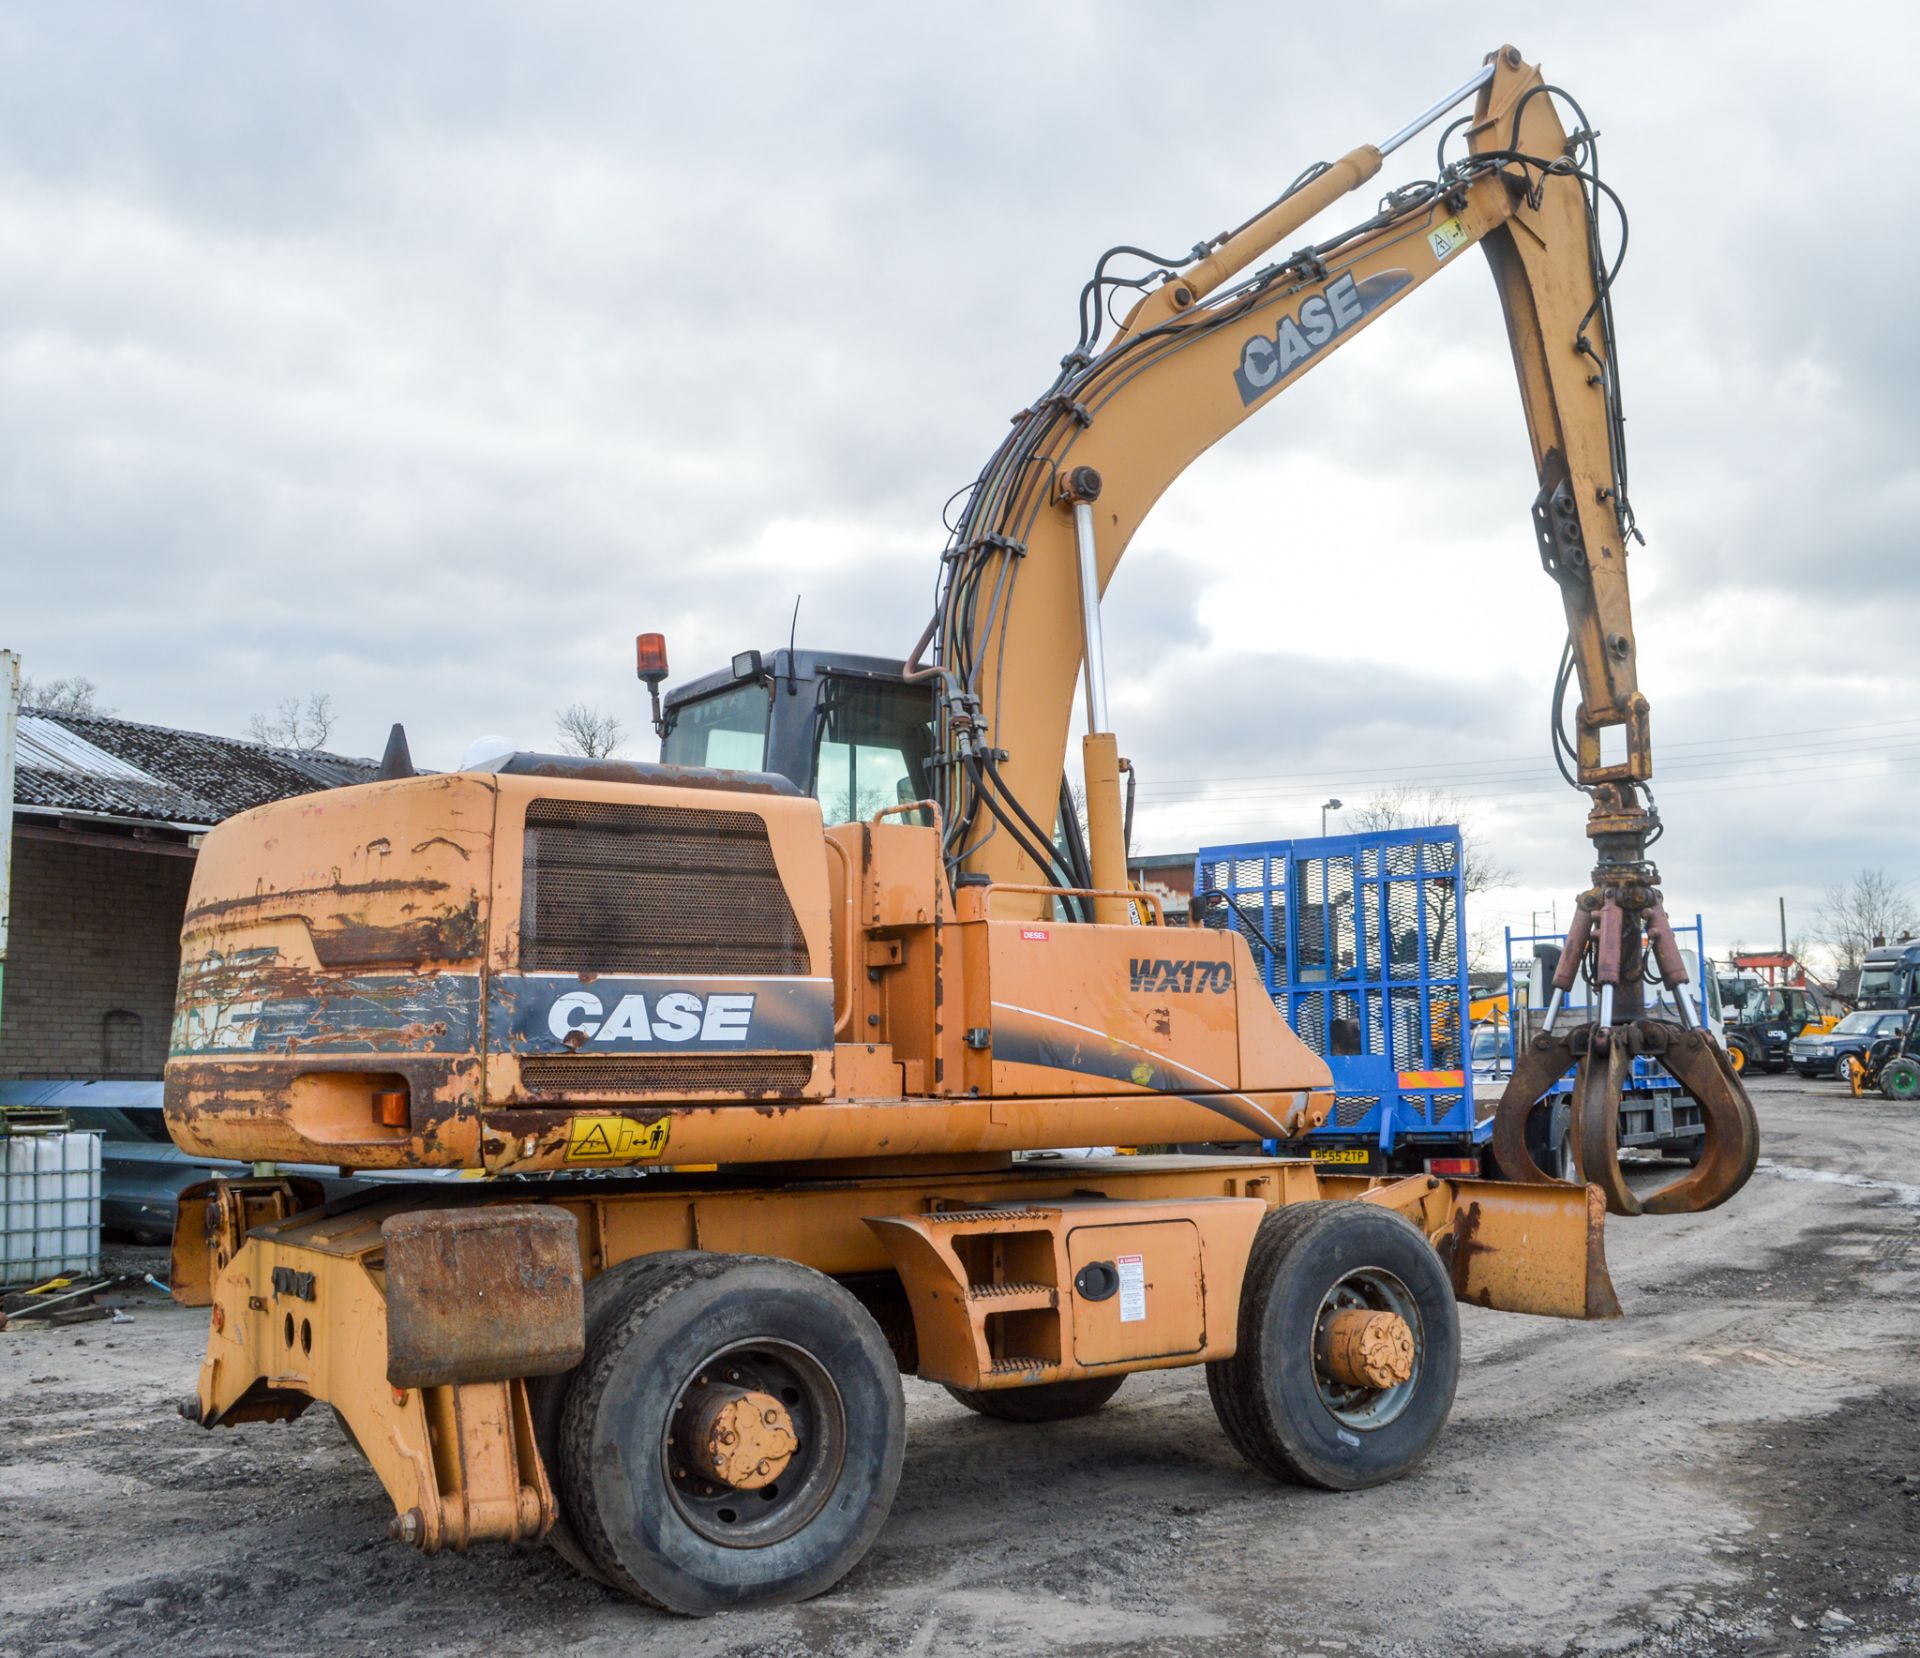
[{"x": 1734, "y": 1467}]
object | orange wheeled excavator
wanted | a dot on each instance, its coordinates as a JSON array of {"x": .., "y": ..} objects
[{"x": 746, "y": 1047}]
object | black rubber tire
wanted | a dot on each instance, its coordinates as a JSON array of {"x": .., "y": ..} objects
[
  {"x": 1267, "y": 1396},
  {"x": 1564, "y": 1166},
  {"x": 1742, "y": 1056},
  {"x": 547, "y": 1395},
  {"x": 1774, "y": 1067},
  {"x": 1044, "y": 1402},
  {"x": 1900, "y": 1079},
  {"x": 674, "y": 1312}
]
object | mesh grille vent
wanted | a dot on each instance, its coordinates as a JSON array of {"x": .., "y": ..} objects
[
  {"x": 1349, "y": 1109},
  {"x": 784, "y": 1075},
  {"x": 613, "y": 888}
]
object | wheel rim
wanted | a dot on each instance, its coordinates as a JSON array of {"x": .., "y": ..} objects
[
  {"x": 1737, "y": 1058},
  {"x": 1375, "y": 1290},
  {"x": 754, "y": 1443}
]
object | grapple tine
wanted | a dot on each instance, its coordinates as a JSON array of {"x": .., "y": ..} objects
[
  {"x": 1701, "y": 1067},
  {"x": 1538, "y": 1069},
  {"x": 1597, "y": 1087}
]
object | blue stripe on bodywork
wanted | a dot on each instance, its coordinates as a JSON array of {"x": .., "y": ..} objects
[{"x": 238, "y": 1008}]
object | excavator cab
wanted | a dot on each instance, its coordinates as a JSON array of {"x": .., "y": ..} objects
[{"x": 849, "y": 730}]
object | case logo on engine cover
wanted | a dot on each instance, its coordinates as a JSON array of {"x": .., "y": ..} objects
[{"x": 678, "y": 1016}]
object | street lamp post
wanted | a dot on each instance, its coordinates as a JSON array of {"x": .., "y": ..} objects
[{"x": 1330, "y": 806}]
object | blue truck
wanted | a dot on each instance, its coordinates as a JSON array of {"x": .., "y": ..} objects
[
  {"x": 1361, "y": 940},
  {"x": 1656, "y": 1113}
]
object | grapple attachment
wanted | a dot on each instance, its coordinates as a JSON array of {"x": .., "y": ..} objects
[{"x": 1617, "y": 926}]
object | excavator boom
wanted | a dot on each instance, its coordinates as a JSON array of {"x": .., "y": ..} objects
[{"x": 1053, "y": 512}]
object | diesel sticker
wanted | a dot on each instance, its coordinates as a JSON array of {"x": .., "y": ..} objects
[
  {"x": 1158, "y": 973},
  {"x": 1267, "y": 359},
  {"x": 611, "y": 1139}
]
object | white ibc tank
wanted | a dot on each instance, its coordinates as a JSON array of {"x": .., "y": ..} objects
[{"x": 49, "y": 1206}]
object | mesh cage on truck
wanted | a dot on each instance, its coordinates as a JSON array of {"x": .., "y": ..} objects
[{"x": 1361, "y": 940}]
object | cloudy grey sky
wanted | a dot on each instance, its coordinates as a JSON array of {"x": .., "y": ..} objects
[{"x": 422, "y": 354}]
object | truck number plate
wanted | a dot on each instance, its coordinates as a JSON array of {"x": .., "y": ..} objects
[{"x": 1339, "y": 1154}]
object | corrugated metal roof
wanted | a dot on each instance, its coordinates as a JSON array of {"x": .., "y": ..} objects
[
  {"x": 47, "y": 744},
  {"x": 92, "y": 764}
]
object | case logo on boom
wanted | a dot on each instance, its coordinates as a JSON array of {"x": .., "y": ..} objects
[
  {"x": 1266, "y": 360},
  {"x": 1151, "y": 973}
]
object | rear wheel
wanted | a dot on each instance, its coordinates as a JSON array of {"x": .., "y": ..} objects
[
  {"x": 1739, "y": 1055},
  {"x": 547, "y": 1395},
  {"x": 1900, "y": 1079},
  {"x": 734, "y": 1436},
  {"x": 1349, "y": 1348},
  {"x": 1046, "y": 1402}
]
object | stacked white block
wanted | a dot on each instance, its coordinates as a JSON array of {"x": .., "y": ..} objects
[{"x": 49, "y": 1206}]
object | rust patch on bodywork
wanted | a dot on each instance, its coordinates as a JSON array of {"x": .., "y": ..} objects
[{"x": 482, "y": 1295}]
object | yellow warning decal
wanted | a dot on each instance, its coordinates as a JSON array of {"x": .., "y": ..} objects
[
  {"x": 610, "y": 1139},
  {"x": 1444, "y": 238}
]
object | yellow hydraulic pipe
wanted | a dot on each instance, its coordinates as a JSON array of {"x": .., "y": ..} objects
[{"x": 1182, "y": 292}]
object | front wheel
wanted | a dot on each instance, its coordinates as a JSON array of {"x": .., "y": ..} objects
[
  {"x": 1738, "y": 1056},
  {"x": 1900, "y": 1079},
  {"x": 734, "y": 1435},
  {"x": 1349, "y": 1348}
]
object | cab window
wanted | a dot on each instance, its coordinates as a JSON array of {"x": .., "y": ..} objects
[
  {"x": 727, "y": 729},
  {"x": 871, "y": 746}
]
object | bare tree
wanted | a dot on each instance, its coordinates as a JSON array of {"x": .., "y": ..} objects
[
  {"x": 1414, "y": 806},
  {"x": 1852, "y": 915},
  {"x": 586, "y": 730},
  {"x": 77, "y": 695},
  {"x": 295, "y": 724}
]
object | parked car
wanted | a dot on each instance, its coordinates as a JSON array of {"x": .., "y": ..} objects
[
  {"x": 1821, "y": 1055},
  {"x": 1891, "y": 1066},
  {"x": 142, "y": 1172}
]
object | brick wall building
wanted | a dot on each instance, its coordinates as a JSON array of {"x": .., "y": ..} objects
[
  {"x": 107, "y": 819},
  {"x": 92, "y": 958}
]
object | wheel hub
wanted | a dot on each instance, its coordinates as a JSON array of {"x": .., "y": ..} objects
[
  {"x": 738, "y": 1437},
  {"x": 1366, "y": 1349},
  {"x": 754, "y": 1443}
]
